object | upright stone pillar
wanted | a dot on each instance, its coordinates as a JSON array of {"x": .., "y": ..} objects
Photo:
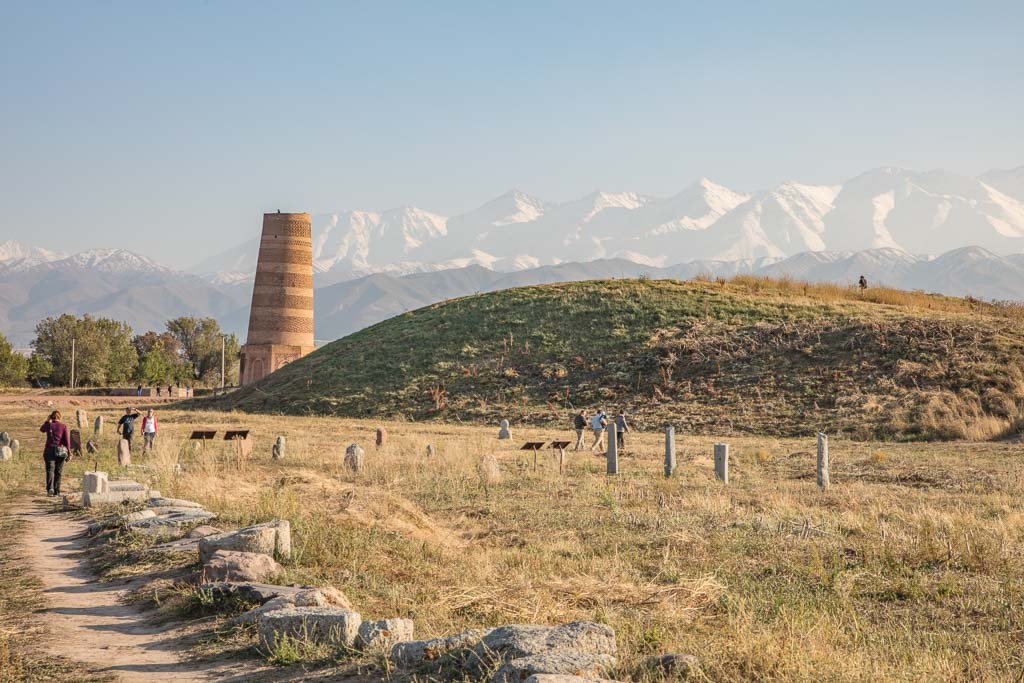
[
  {"x": 613, "y": 448},
  {"x": 81, "y": 419},
  {"x": 124, "y": 453},
  {"x": 823, "y": 477},
  {"x": 722, "y": 462},
  {"x": 281, "y": 316},
  {"x": 97, "y": 427},
  {"x": 670, "y": 450},
  {"x": 277, "y": 450}
]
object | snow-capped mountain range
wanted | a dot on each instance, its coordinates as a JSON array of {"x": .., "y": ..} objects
[
  {"x": 933, "y": 231},
  {"x": 916, "y": 212}
]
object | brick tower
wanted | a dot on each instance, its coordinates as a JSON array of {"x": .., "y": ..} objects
[{"x": 281, "y": 317}]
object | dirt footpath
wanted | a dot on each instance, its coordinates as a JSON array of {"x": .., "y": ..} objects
[{"x": 89, "y": 620}]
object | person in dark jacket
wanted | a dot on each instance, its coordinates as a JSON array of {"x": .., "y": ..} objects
[
  {"x": 579, "y": 423},
  {"x": 56, "y": 451},
  {"x": 126, "y": 426},
  {"x": 621, "y": 427}
]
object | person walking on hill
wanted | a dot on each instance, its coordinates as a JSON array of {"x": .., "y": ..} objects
[
  {"x": 148, "y": 431},
  {"x": 621, "y": 427},
  {"x": 579, "y": 423},
  {"x": 126, "y": 426},
  {"x": 598, "y": 424},
  {"x": 862, "y": 283},
  {"x": 56, "y": 451}
]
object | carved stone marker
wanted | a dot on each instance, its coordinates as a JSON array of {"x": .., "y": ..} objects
[
  {"x": 81, "y": 419},
  {"x": 15, "y": 446},
  {"x": 91, "y": 447},
  {"x": 430, "y": 450},
  {"x": 5, "y": 439},
  {"x": 354, "y": 456},
  {"x": 97, "y": 426},
  {"x": 823, "y": 479},
  {"x": 124, "y": 453},
  {"x": 504, "y": 432},
  {"x": 613, "y": 449},
  {"x": 670, "y": 450},
  {"x": 95, "y": 482},
  {"x": 722, "y": 462},
  {"x": 6, "y": 453},
  {"x": 277, "y": 451},
  {"x": 382, "y": 437}
]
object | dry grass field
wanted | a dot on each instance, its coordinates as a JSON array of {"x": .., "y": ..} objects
[{"x": 910, "y": 568}]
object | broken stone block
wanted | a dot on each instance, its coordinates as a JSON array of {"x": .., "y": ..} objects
[
  {"x": 328, "y": 625},
  {"x": 170, "y": 519},
  {"x": 506, "y": 643},
  {"x": 114, "y": 497},
  {"x": 585, "y": 665},
  {"x": 227, "y": 565},
  {"x": 354, "y": 457},
  {"x": 267, "y": 538},
  {"x": 307, "y": 597},
  {"x": 157, "y": 501},
  {"x": 119, "y": 485},
  {"x": 413, "y": 653},
  {"x": 92, "y": 447},
  {"x": 383, "y": 634}
]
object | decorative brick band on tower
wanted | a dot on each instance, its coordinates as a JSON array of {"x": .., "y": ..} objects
[{"x": 281, "y": 317}]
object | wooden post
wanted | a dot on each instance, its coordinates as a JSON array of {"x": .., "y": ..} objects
[
  {"x": 722, "y": 462},
  {"x": 823, "y": 479},
  {"x": 670, "y": 450},
  {"x": 561, "y": 460},
  {"x": 613, "y": 448}
]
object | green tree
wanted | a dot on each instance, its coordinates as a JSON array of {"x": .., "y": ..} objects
[
  {"x": 200, "y": 340},
  {"x": 13, "y": 365},
  {"x": 104, "y": 353},
  {"x": 160, "y": 359},
  {"x": 40, "y": 370}
]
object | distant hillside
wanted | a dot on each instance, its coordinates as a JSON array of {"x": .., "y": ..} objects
[{"x": 747, "y": 356}]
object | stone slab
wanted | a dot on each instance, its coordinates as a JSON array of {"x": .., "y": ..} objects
[
  {"x": 114, "y": 497},
  {"x": 328, "y": 625}
]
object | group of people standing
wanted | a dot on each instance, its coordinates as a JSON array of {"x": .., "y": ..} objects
[
  {"x": 57, "y": 447},
  {"x": 599, "y": 425}
]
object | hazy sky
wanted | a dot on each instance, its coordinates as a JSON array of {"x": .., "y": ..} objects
[{"x": 168, "y": 128}]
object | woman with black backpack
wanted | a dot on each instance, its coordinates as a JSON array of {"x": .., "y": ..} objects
[{"x": 56, "y": 451}]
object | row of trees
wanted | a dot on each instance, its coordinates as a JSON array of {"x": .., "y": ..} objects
[{"x": 107, "y": 354}]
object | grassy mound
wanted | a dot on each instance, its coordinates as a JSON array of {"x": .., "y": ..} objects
[{"x": 743, "y": 356}]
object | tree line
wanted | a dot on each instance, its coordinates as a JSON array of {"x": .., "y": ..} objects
[{"x": 107, "y": 353}]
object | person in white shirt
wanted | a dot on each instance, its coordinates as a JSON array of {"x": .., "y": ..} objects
[
  {"x": 598, "y": 424},
  {"x": 148, "y": 431}
]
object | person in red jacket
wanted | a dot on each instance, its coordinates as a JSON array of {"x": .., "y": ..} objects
[
  {"x": 148, "y": 431},
  {"x": 56, "y": 451}
]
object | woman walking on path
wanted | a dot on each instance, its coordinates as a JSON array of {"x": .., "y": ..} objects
[
  {"x": 148, "y": 431},
  {"x": 56, "y": 451}
]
